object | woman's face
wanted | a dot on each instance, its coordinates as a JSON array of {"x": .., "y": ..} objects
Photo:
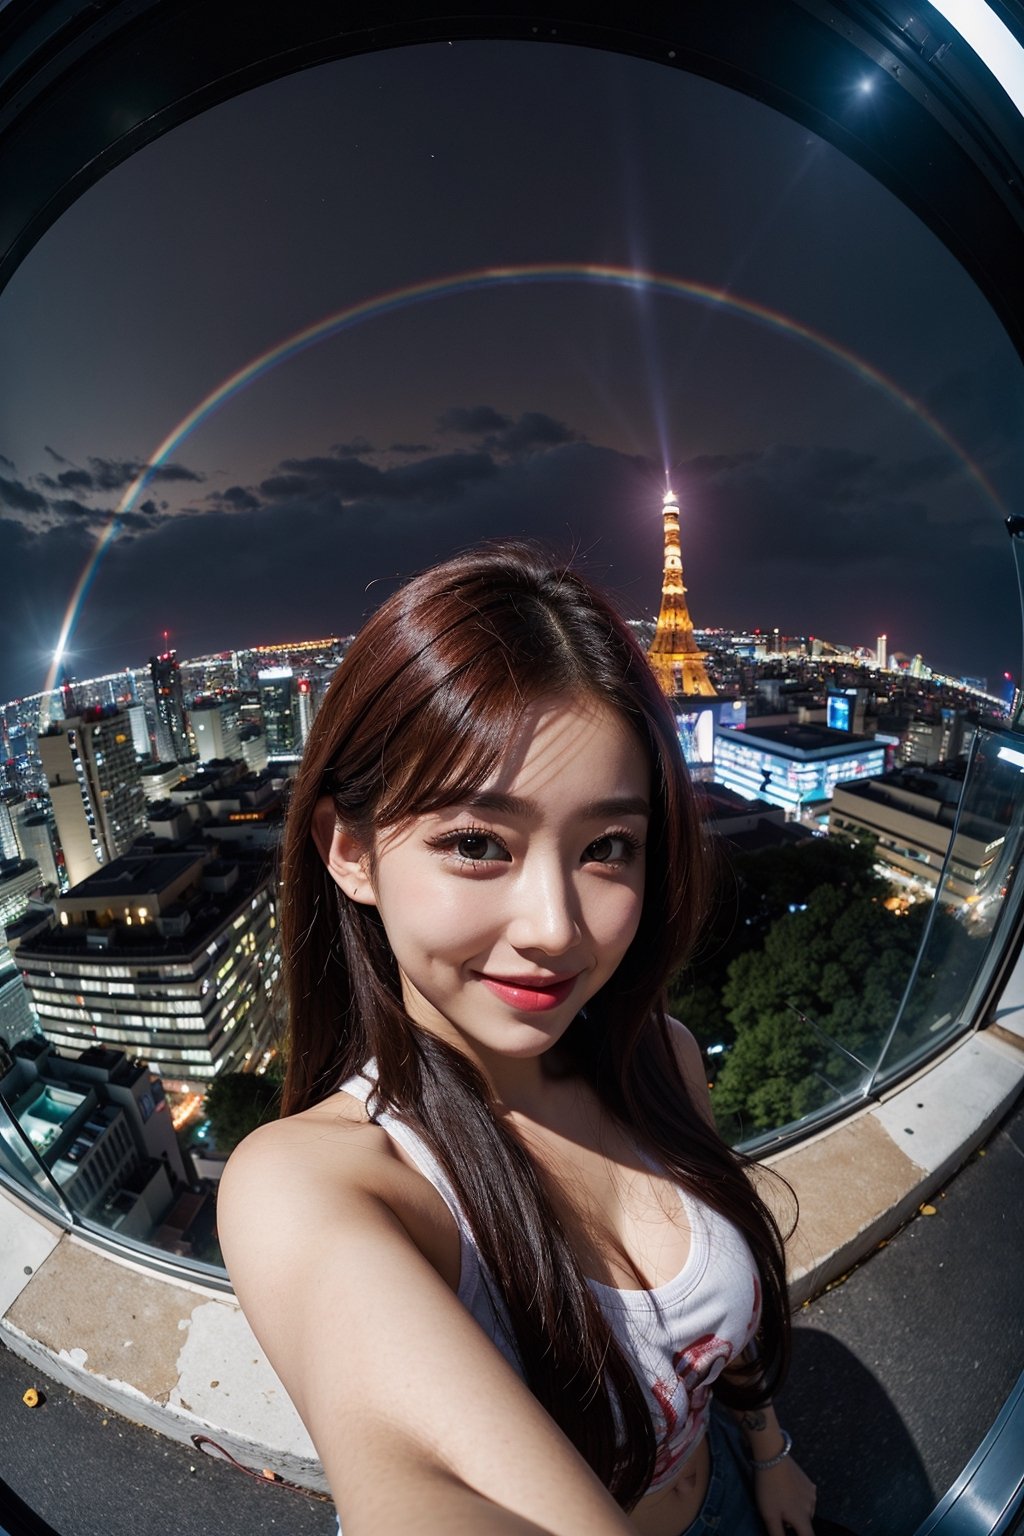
[{"x": 506, "y": 912}]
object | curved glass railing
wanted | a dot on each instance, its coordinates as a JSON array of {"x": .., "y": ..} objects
[
  {"x": 859, "y": 981},
  {"x": 847, "y": 983}
]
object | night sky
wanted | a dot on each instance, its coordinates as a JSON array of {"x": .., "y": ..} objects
[{"x": 813, "y": 497}]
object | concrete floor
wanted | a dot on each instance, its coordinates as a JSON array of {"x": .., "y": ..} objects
[{"x": 898, "y": 1373}]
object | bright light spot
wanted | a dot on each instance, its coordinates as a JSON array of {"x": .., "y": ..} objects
[
  {"x": 867, "y": 86},
  {"x": 1008, "y": 755},
  {"x": 991, "y": 40}
]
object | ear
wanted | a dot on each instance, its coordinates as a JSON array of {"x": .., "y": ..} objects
[{"x": 346, "y": 856}]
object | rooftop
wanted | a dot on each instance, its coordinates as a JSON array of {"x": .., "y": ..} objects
[
  {"x": 132, "y": 875},
  {"x": 801, "y": 739}
]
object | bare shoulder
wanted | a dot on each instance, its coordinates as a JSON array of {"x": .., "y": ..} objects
[
  {"x": 333, "y": 1144},
  {"x": 691, "y": 1065}
]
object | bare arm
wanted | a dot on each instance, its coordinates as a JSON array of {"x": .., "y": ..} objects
[
  {"x": 691, "y": 1066},
  {"x": 421, "y": 1425}
]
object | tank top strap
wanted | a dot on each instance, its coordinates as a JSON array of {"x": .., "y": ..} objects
[{"x": 362, "y": 1087}]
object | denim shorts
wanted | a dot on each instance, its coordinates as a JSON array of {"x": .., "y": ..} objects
[{"x": 728, "y": 1508}]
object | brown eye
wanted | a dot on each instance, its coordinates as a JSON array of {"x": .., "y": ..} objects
[
  {"x": 613, "y": 848},
  {"x": 473, "y": 846}
]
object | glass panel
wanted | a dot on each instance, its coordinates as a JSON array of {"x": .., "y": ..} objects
[
  {"x": 805, "y": 965},
  {"x": 977, "y": 902},
  {"x": 21, "y": 1163}
]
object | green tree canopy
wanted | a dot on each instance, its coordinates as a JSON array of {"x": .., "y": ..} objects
[
  {"x": 844, "y": 963},
  {"x": 237, "y": 1102},
  {"x": 754, "y": 891}
]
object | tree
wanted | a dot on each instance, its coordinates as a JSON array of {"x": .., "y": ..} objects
[
  {"x": 754, "y": 891},
  {"x": 238, "y": 1102},
  {"x": 843, "y": 962}
]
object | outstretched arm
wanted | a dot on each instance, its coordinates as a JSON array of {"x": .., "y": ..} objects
[
  {"x": 421, "y": 1425},
  {"x": 785, "y": 1494}
]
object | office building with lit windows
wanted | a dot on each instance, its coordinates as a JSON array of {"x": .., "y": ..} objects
[
  {"x": 793, "y": 765},
  {"x": 909, "y": 817},
  {"x": 215, "y": 728},
  {"x": 95, "y": 789},
  {"x": 17, "y": 1016},
  {"x": 170, "y": 956},
  {"x": 279, "y": 707},
  {"x": 171, "y": 727}
]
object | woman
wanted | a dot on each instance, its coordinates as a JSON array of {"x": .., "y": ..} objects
[{"x": 495, "y": 1248}]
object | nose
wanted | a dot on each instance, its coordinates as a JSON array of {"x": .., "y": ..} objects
[{"x": 546, "y": 914}]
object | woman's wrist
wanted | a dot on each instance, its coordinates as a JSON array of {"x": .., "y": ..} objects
[
  {"x": 767, "y": 1442},
  {"x": 780, "y": 1456}
]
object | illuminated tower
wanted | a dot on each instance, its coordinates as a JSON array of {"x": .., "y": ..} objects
[{"x": 677, "y": 662}]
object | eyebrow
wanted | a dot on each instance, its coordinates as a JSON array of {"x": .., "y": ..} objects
[{"x": 595, "y": 810}]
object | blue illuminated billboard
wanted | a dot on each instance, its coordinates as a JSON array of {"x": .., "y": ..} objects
[{"x": 838, "y": 716}]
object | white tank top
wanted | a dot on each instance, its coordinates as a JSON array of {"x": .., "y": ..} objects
[{"x": 678, "y": 1336}]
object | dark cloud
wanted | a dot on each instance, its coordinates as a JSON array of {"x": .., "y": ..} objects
[
  {"x": 113, "y": 474},
  {"x": 533, "y": 430},
  {"x": 473, "y": 420},
  {"x": 130, "y": 523},
  {"x": 283, "y": 487},
  {"x": 117, "y": 474},
  {"x": 58, "y": 458},
  {"x": 352, "y": 450},
  {"x": 6, "y": 462},
  {"x": 237, "y": 497},
  {"x": 20, "y": 497},
  {"x": 440, "y": 478},
  {"x": 788, "y": 498},
  {"x": 76, "y": 480},
  {"x": 409, "y": 447},
  {"x": 349, "y": 480},
  {"x": 344, "y": 478},
  {"x": 67, "y": 506},
  {"x": 172, "y": 472},
  {"x": 813, "y": 539}
]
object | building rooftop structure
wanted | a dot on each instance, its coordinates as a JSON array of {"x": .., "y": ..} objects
[
  {"x": 794, "y": 765},
  {"x": 911, "y": 815}
]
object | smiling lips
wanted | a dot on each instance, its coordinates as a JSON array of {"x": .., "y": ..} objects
[{"x": 530, "y": 996}]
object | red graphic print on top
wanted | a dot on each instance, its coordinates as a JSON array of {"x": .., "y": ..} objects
[{"x": 692, "y": 1367}]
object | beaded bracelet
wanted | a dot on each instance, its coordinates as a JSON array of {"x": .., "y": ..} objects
[{"x": 773, "y": 1461}]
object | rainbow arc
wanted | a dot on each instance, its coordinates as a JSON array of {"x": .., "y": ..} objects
[{"x": 482, "y": 278}]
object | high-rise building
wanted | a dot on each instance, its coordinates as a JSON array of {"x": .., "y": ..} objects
[
  {"x": 171, "y": 957},
  {"x": 677, "y": 661},
  {"x": 19, "y": 879},
  {"x": 882, "y": 653},
  {"x": 280, "y": 714},
  {"x": 17, "y": 1015},
  {"x": 306, "y": 703},
  {"x": 93, "y": 778},
  {"x": 140, "y": 729},
  {"x": 171, "y": 727},
  {"x": 34, "y": 831},
  {"x": 10, "y": 845},
  {"x": 215, "y": 728}
]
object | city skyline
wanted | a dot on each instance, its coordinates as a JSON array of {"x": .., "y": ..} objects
[{"x": 344, "y": 394}]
